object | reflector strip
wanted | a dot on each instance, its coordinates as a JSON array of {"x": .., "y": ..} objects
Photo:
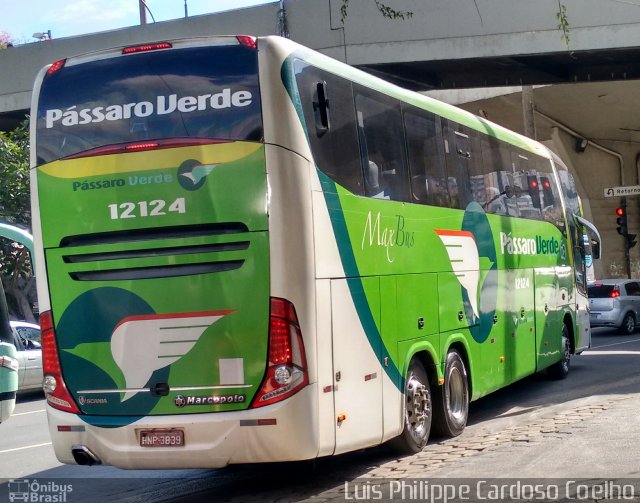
[
  {"x": 258, "y": 422},
  {"x": 70, "y": 428}
]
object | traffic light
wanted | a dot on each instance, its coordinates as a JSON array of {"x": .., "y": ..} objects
[
  {"x": 534, "y": 190},
  {"x": 547, "y": 192},
  {"x": 622, "y": 221}
]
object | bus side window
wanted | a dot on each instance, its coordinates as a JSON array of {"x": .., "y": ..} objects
[
  {"x": 329, "y": 115},
  {"x": 497, "y": 185},
  {"x": 425, "y": 155},
  {"x": 527, "y": 184},
  {"x": 550, "y": 202},
  {"x": 459, "y": 156},
  {"x": 381, "y": 140}
]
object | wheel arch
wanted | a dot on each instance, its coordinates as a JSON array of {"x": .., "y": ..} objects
[
  {"x": 426, "y": 354},
  {"x": 568, "y": 321}
]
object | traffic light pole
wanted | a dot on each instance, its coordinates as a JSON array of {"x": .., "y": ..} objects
[{"x": 623, "y": 230}]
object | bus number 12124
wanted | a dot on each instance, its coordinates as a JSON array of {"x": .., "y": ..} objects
[{"x": 155, "y": 208}]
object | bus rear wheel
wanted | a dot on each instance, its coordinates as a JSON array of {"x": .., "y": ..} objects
[
  {"x": 417, "y": 411},
  {"x": 452, "y": 399}
]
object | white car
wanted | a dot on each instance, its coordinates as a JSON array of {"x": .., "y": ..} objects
[{"x": 27, "y": 342}]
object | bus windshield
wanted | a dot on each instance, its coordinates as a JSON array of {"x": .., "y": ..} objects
[{"x": 193, "y": 92}]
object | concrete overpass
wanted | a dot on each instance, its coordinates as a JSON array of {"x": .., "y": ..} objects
[{"x": 449, "y": 45}]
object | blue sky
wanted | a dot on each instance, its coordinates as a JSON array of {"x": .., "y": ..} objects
[{"x": 67, "y": 18}]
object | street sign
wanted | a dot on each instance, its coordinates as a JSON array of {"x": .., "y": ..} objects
[{"x": 631, "y": 190}]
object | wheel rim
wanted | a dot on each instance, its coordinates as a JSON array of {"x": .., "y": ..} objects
[
  {"x": 457, "y": 394},
  {"x": 567, "y": 353},
  {"x": 418, "y": 408},
  {"x": 631, "y": 324}
]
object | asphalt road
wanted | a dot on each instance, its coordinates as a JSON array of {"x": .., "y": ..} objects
[{"x": 577, "y": 427}]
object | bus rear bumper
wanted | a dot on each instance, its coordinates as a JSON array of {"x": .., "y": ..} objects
[{"x": 285, "y": 431}]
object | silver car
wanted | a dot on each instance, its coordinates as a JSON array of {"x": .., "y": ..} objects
[
  {"x": 615, "y": 303},
  {"x": 27, "y": 342}
]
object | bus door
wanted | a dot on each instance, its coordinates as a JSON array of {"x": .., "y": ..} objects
[
  {"x": 357, "y": 370},
  {"x": 586, "y": 249}
]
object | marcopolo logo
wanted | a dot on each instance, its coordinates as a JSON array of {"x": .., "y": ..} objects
[
  {"x": 162, "y": 105},
  {"x": 182, "y": 401}
]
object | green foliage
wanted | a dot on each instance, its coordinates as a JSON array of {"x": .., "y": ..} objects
[
  {"x": 15, "y": 209},
  {"x": 385, "y": 10},
  {"x": 15, "y": 206},
  {"x": 563, "y": 22}
]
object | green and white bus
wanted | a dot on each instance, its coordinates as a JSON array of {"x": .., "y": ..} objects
[{"x": 250, "y": 252}]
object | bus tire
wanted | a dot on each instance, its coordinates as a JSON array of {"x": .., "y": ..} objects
[
  {"x": 560, "y": 369},
  {"x": 417, "y": 411},
  {"x": 452, "y": 399}
]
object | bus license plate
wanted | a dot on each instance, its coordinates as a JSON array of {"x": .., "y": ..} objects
[{"x": 161, "y": 438}]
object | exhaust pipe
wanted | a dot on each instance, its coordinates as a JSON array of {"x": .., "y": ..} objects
[{"x": 83, "y": 456}]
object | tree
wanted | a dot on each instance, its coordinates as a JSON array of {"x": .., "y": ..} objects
[
  {"x": 15, "y": 209},
  {"x": 5, "y": 40}
]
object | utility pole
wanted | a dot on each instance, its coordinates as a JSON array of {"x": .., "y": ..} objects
[
  {"x": 283, "y": 29},
  {"x": 143, "y": 12},
  {"x": 527, "y": 112}
]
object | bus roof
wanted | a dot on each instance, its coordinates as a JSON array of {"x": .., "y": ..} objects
[{"x": 438, "y": 107}]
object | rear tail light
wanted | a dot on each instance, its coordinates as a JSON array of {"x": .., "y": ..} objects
[
  {"x": 146, "y": 47},
  {"x": 287, "y": 366},
  {"x": 615, "y": 293},
  {"x": 247, "y": 41},
  {"x": 53, "y": 385},
  {"x": 56, "y": 66}
]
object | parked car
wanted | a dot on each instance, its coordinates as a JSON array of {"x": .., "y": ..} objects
[
  {"x": 615, "y": 303},
  {"x": 27, "y": 342}
]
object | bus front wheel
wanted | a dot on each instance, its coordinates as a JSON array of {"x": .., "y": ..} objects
[
  {"x": 417, "y": 411},
  {"x": 452, "y": 399},
  {"x": 560, "y": 369}
]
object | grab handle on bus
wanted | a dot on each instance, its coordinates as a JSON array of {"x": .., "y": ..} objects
[{"x": 321, "y": 107}]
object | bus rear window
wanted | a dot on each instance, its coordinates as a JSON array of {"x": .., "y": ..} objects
[{"x": 195, "y": 92}]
